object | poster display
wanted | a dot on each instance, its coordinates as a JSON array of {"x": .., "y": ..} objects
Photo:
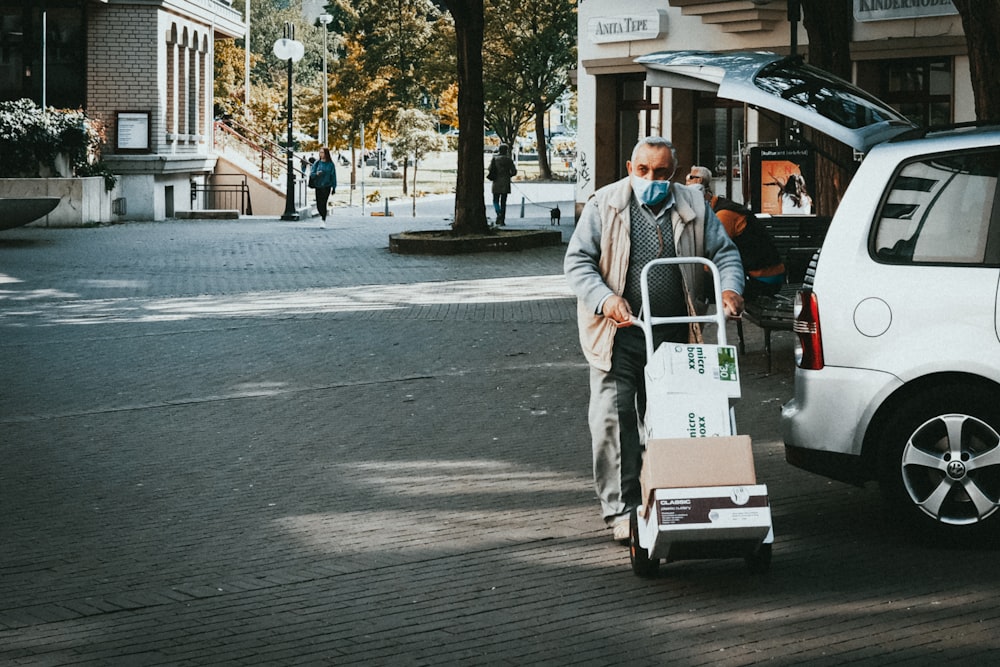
[{"x": 783, "y": 180}]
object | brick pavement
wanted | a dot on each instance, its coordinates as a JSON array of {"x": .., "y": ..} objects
[{"x": 259, "y": 443}]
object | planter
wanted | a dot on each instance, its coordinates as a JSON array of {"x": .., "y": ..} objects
[
  {"x": 447, "y": 243},
  {"x": 22, "y": 210},
  {"x": 82, "y": 201}
]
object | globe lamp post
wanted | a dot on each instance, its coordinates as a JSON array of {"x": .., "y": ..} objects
[
  {"x": 291, "y": 51},
  {"x": 324, "y": 133}
]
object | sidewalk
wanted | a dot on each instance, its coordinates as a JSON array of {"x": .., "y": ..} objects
[
  {"x": 257, "y": 442},
  {"x": 528, "y": 204}
]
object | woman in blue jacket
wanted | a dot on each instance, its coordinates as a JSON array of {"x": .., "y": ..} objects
[{"x": 323, "y": 177}]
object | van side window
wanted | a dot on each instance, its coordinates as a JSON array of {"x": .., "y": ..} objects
[{"x": 942, "y": 209}]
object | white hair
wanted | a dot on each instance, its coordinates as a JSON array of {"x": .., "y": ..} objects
[
  {"x": 659, "y": 142},
  {"x": 704, "y": 172}
]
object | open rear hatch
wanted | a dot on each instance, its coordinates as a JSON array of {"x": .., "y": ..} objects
[{"x": 786, "y": 86}]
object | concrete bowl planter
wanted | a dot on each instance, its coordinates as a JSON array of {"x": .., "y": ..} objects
[
  {"x": 15, "y": 212},
  {"x": 444, "y": 242}
]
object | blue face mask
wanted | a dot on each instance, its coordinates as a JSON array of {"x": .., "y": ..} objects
[{"x": 650, "y": 193}]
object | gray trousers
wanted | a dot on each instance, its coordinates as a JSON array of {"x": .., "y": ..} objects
[{"x": 617, "y": 408}]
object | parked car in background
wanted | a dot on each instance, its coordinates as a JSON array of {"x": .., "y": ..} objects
[{"x": 898, "y": 323}]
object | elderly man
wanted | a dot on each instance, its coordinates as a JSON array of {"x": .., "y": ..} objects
[{"x": 624, "y": 226}]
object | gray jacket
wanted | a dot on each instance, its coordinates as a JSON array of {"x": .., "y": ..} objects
[{"x": 597, "y": 258}]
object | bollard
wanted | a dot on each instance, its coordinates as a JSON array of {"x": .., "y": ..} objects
[{"x": 522, "y": 206}]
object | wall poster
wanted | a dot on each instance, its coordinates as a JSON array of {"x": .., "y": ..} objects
[{"x": 783, "y": 180}]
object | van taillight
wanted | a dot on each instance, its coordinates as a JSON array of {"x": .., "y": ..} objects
[{"x": 809, "y": 347}]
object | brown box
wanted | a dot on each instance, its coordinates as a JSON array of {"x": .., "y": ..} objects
[{"x": 671, "y": 463}]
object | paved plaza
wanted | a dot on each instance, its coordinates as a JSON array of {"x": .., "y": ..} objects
[{"x": 257, "y": 442}]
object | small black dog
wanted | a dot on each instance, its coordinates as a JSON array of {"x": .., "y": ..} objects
[{"x": 555, "y": 216}]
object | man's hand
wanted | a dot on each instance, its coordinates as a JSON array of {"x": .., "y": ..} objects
[
  {"x": 617, "y": 309},
  {"x": 732, "y": 303}
]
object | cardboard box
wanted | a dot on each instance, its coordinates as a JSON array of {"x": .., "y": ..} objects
[
  {"x": 671, "y": 463},
  {"x": 687, "y": 415},
  {"x": 694, "y": 369},
  {"x": 706, "y": 522},
  {"x": 718, "y": 507}
]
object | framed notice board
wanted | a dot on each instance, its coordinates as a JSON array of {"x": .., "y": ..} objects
[{"x": 132, "y": 132}]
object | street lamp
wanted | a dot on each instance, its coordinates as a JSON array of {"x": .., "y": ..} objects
[
  {"x": 325, "y": 19},
  {"x": 288, "y": 49},
  {"x": 794, "y": 15}
]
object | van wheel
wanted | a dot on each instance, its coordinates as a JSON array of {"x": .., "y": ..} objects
[{"x": 940, "y": 459}]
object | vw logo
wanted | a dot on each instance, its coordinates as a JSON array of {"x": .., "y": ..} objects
[{"x": 956, "y": 469}]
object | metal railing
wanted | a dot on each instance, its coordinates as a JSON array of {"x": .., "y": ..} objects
[
  {"x": 223, "y": 196},
  {"x": 267, "y": 156}
]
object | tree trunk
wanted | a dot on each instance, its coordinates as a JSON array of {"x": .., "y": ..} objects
[
  {"x": 470, "y": 205},
  {"x": 406, "y": 163},
  {"x": 544, "y": 169},
  {"x": 979, "y": 21},
  {"x": 828, "y": 24}
]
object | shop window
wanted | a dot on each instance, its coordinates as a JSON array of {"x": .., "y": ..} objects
[
  {"x": 21, "y": 61},
  {"x": 638, "y": 116},
  {"x": 919, "y": 88},
  {"x": 719, "y": 130}
]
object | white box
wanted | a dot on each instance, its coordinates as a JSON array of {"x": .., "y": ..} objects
[
  {"x": 712, "y": 507},
  {"x": 670, "y": 415},
  {"x": 706, "y": 522},
  {"x": 694, "y": 369}
]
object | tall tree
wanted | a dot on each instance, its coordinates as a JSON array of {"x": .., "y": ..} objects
[
  {"x": 980, "y": 19},
  {"x": 267, "y": 24},
  {"x": 541, "y": 50},
  {"x": 828, "y": 24},
  {"x": 470, "y": 204},
  {"x": 506, "y": 109},
  {"x": 355, "y": 99},
  {"x": 396, "y": 35},
  {"x": 415, "y": 137},
  {"x": 438, "y": 66},
  {"x": 229, "y": 81}
]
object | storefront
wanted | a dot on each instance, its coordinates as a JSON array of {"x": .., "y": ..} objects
[{"x": 912, "y": 55}]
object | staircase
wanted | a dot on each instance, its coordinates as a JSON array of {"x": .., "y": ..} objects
[{"x": 246, "y": 155}]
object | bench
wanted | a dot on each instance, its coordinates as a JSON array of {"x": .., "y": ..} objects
[{"x": 798, "y": 239}]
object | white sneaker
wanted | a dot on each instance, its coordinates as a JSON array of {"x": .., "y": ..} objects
[
  {"x": 621, "y": 530},
  {"x": 322, "y": 224}
]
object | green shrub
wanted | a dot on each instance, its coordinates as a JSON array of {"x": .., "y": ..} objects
[{"x": 32, "y": 137}]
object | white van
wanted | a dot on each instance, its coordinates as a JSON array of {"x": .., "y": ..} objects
[{"x": 898, "y": 325}]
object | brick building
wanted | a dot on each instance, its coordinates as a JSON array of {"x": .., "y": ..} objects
[{"x": 142, "y": 67}]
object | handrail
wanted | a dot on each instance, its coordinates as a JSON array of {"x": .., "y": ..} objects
[
  {"x": 252, "y": 136},
  {"x": 267, "y": 154},
  {"x": 216, "y": 196}
]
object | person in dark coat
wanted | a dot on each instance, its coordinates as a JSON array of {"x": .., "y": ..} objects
[{"x": 502, "y": 170}]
